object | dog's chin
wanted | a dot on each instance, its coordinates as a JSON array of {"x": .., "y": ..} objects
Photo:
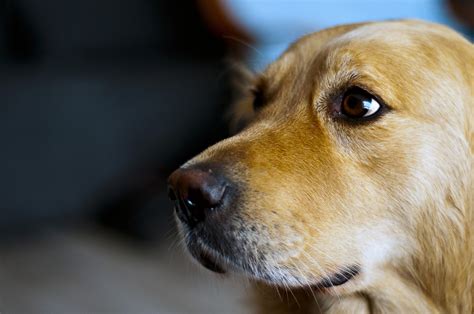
[{"x": 216, "y": 262}]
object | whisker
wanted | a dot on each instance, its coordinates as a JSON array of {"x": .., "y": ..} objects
[
  {"x": 307, "y": 283},
  {"x": 244, "y": 43}
]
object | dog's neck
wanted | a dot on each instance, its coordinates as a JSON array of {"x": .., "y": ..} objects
[
  {"x": 442, "y": 272},
  {"x": 438, "y": 278}
]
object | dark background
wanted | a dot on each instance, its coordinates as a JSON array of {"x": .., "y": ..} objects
[{"x": 100, "y": 100}]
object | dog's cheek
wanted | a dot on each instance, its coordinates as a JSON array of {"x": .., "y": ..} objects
[
  {"x": 267, "y": 235},
  {"x": 288, "y": 223}
]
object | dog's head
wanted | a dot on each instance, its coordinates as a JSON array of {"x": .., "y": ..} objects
[{"x": 353, "y": 139}]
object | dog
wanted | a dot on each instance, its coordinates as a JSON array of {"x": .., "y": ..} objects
[{"x": 350, "y": 186}]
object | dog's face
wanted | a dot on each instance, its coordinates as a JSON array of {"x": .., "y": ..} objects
[{"x": 349, "y": 138}]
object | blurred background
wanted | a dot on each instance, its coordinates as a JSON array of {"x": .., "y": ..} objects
[{"x": 99, "y": 101}]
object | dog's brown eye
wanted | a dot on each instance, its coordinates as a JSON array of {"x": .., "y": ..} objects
[
  {"x": 357, "y": 103},
  {"x": 258, "y": 99}
]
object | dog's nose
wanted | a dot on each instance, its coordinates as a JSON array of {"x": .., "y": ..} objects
[{"x": 196, "y": 193}]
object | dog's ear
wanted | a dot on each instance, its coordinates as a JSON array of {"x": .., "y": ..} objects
[{"x": 241, "y": 111}]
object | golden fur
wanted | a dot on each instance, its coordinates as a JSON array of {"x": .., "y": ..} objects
[{"x": 393, "y": 195}]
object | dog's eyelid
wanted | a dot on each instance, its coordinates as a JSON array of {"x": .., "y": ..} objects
[
  {"x": 375, "y": 95},
  {"x": 356, "y": 103}
]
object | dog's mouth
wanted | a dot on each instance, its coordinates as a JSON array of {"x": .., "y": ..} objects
[
  {"x": 210, "y": 263},
  {"x": 339, "y": 278},
  {"x": 216, "y": 262},
  {"x": 335, "y": 279},
  {"x": 205, "y": 254}
]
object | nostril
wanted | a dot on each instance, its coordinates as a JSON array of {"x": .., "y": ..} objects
[
  {"x": 196, "y": 193},
  {"x": 206, "y": 197}
]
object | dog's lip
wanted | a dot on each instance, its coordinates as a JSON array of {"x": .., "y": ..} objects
[
  {"x": 204, "y": 254},
  {"x": 210, "y": 263},
  {"x": 338, "y": 279},
  {"x": 214, "y": 261}
]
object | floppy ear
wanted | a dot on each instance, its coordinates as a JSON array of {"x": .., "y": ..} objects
[{"x": 241, "y": 110}]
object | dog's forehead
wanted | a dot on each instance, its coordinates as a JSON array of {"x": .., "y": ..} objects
[
  {"x": 390, "y": 58},
  {"x": 356, "y": 45},
  {"x": 367, "y": 37}
]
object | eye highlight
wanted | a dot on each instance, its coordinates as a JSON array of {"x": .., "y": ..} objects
[{"x": 357, "y": 103}]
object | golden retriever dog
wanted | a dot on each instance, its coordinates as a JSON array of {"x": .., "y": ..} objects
[{"x": 349, "y": 188}]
